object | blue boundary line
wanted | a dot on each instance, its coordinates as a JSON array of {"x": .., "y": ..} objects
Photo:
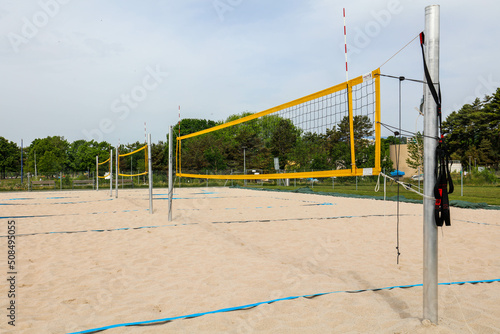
[
  {"x": 186, "y": 224},
  {"x": 100, "y": 230},
  {"x": 173, "y": 225},
  {"x": 78, "y": 202},
  {"x": 471, "y": 222},
  {"x": 260, "y": 207},
  {"x": 249, "y": 306},
  {"x": 64, "y": 215}
]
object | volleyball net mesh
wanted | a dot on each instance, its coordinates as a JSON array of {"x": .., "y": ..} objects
[
  {"x": 331, "y": 133},
  {"x": 104, "y": 169},
  {"x": 136, "y": 162}
]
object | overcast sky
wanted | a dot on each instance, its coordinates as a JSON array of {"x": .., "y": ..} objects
[{"x": 99, "y": 69}]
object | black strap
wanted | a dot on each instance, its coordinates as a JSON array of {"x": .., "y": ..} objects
[
  {"x": 442, "y": 206},
  {"x": 441, "y": 191}
]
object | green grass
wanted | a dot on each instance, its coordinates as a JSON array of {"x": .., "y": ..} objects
[
  {"x": 472, "y": 192},
  {"x": 489, "y": 194}
]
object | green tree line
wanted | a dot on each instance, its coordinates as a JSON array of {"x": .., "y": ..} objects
[
  {"x": 472, "y": 135},
  {"x": 51, "y": 155}
]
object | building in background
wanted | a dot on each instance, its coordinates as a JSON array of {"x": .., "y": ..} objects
[{"x": 456, "y": 166}]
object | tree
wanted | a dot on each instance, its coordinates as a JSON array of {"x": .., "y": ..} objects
[
  {"x": 81, "y": 154},
  {"x": 51, "y": 155},
  {"x": 10, "y": 157},
  {"x": 385, "y": 156},
  {"x": 192, "y": 125},
  {"x": 283, "y": 139},
  {"x": 309, "y": 152},
  {"x": 416, "y": 152},
  {"x": 159, "y": 156},
  {"x": 338, "y": 142},
  {"x": 473, "y": 132}
]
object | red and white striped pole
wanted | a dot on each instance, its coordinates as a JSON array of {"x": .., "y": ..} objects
[
  {"x": 179, "y": 121},
  {"x": 345, "y": 43}
]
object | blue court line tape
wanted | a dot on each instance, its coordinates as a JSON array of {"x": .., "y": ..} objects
[
  {"x": 204, "y": 193},
  {"x": 166, "y": 198},
  {"x": 20, "y": 217},
  {"x": 28, "y": 198},
  {"x": 234, "y": 197},
  {"x": 471, "y": 222},
  {"x": 257, "y": 207},
  {"x": 249, "y": 306},
  {"x": 63, "y": 215},
  {"x": 183, "y": 224},
  {"x": 79, "y": 202},
  {"x": 306, "y": 218},
  {"x": 101, "y": 230}
]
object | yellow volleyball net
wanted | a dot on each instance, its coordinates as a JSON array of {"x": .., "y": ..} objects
[
  {"x": 104, "y": 169},
  {"x": 331, "y": 133},
  {"x": 135, "y": 162}
]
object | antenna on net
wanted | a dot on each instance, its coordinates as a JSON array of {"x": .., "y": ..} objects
[
  {"x": 345, "y": 44},
  {"x": 179, "y": 120}
]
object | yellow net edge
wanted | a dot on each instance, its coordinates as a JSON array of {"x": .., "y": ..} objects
[
  {"x": 130, "y": 153},
  {"x": 131, "y": 175}
]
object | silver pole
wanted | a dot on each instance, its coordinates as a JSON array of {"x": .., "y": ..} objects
[
  {"x": 150, "y": 172},
  {"x": 418, "y": 177},
  {"x": 170, "y": 173},
  {"x": 385, "y": 189},
  {"x": 116, "y": 172},
  {"x": 430, "y": 279},
  {"x": 22, "y": 162},
  {"x": 462, "y": 182},
  {"x": 244, "y": 165},
  {"x": 97, "y": 172},
  {"x": 111, "y": 172}
]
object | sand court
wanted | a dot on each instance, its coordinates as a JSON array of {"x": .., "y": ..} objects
[{"x": 86, "y": 260}]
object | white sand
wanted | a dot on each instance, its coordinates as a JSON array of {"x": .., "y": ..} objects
[{"x": 80, "y": 281}]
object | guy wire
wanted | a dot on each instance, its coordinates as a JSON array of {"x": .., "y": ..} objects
[
  {"x": 394, "y": 55},
  {"x": 398, "y": 155}
]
